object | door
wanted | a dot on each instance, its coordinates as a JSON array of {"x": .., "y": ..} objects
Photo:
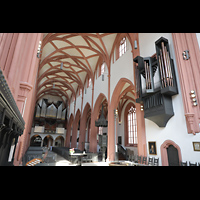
[{"x": 172, "y": 154}]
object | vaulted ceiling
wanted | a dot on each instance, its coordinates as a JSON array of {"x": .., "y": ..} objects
[{"x": 79, "y": 53}]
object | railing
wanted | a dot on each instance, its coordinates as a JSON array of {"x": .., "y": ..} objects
[{"x": 123, "y": 150}]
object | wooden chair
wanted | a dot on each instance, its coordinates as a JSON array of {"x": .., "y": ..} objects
[
  {"x": 131, "y": 156},
  {"x": 128, "y": 151},
  {"x": 192, "y": 164},
  {"x": 184, "y": 163},
  {"x": 144, "y": 160},
  {"x": 150, "y": 161},
  {"x": 155, "y": 163},
  {"x": 139, "y": 158}
]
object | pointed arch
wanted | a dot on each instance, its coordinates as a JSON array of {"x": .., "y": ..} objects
[
  {"x": 83, "y": 126},
  {"x": 75, "y": 128},
  {"x": 68, "y": 134},
  {"x": 163, "y": 149},
  {"x": 94, "y": 116}
]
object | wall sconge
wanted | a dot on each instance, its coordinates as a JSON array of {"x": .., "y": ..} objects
[
  {"x": 141, "y": 107},
  {"x": 135, "y": 44},
  {"x": 39, "y": 49},
  {"x": 186, "y": 55},
  {"x": 193, "y": 97},
  {"x": 61, "y": 66},
  {"x": 102, "y": 77},
  {"x": 115, "y": 112}
]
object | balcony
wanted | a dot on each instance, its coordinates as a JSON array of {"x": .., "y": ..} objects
[{"x": 42, "y": 130}]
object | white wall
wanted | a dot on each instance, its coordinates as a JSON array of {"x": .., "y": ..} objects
[
  {"x": 101, "y": 86},
  {"x": 175, "y": 129},
  {"x": 122, "y": 68},
  {"x": 198, "y": 38},
  {"x": 88, "y": 96}
]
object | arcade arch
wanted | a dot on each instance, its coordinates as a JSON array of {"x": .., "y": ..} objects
[
  {"x": 75, "y": 129},
  {"x": 94, "y": 116},
  {"x": 36, "y": 141},
  {"x": 48, "y": 141},
  {"x": 59, "y": 141},
  {"x": 83, "y": 126}
]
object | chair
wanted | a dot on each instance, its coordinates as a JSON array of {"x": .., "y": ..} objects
[
  {"x": 128, "y": 152},
  {"x": 184, "y": 163},
  {"x": 144, "y": 160},
  {"x": 150, "y": 162},
  {"x": 132, "y": 156},
  {"x": 192, "y": 164},
  {"x": 139, "y": 158},
  {"x": 156, "y": 162}
]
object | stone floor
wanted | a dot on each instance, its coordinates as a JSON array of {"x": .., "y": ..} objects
[{"x": 60, "y": 161}]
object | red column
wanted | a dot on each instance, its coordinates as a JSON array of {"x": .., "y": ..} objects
[
  {"x": 189, "y": 73},
  {"x": 93, "y": 133},
  {"x": 26, "y": 94}
]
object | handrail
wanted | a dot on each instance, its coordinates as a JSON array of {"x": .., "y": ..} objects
[{"x": 122, "y": 149}]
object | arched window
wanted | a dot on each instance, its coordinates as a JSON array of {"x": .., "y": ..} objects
[
  {"x": 122, "y": 47},
  {"x": 102, "y": 68},
  {"x": 132, "y": 126}
]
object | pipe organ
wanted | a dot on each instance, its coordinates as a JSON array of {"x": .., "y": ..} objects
[
  {"x": 156, "y": 83},
  {"x": 50, "y": 113}
]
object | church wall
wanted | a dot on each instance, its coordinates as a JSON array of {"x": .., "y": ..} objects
[
  {"x": 78, "y": 103},
  {"x": 88, "y": 96},
  {"x": 101, "y": 86},
  {"x": 176, "y": 129},
  {"x": 122, "y": 68}
]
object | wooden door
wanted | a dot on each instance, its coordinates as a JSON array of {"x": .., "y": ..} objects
[{"x": 172, "y": 154}]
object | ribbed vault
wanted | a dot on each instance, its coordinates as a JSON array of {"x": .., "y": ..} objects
[{"x": 78, "y": 54}]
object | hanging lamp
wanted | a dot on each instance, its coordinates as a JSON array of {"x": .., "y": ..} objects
[{"x": 101, "y": 122}]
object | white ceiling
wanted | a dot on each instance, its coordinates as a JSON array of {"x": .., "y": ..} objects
[{"x": 79, "y": 53}]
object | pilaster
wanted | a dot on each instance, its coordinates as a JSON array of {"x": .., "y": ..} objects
[{"x": 189, "y": 73}]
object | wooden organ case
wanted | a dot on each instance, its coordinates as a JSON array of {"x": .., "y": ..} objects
[{"x": 156, "y": 83}]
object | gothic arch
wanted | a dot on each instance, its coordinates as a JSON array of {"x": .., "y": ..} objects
[
  {"x": 163, "y": 150},
  {"x": 94, "y": 116},
  {"x": 75, "y": 129},
  {"x": 120, "y": 89},
  {"x": 83, "y": 125},
  {"x": 128, "y": 106},
  {"x": 68, "y": 134}
]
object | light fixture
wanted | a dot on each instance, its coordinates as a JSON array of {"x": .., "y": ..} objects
[
  {"x": 39, "y": 49},
  {"x": 135, "y": 44},
  {"x": 115, "y": 112},
  {"x": 193, "y": 97},
  {"x": 141, "y": 107},
  {"x": 61, "y": 66},
  {"x": 102, "y": 77}
]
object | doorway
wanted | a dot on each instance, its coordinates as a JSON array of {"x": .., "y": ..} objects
[{"x": 172, "y": 154}]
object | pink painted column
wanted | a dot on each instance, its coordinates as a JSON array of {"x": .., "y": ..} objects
[
  {"x": 189, "y": 73},
  {"x": 26, "y": 92},
  {"x": 93, "y": 134}
]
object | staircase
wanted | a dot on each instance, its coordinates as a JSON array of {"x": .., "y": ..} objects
[
  {"x": 38, "y": 152},
  {"x": 122, "y": 152},
  {"x": 121, "y": 156}
]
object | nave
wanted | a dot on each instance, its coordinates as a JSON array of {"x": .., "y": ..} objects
[{"x": 114, "y": 96}]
